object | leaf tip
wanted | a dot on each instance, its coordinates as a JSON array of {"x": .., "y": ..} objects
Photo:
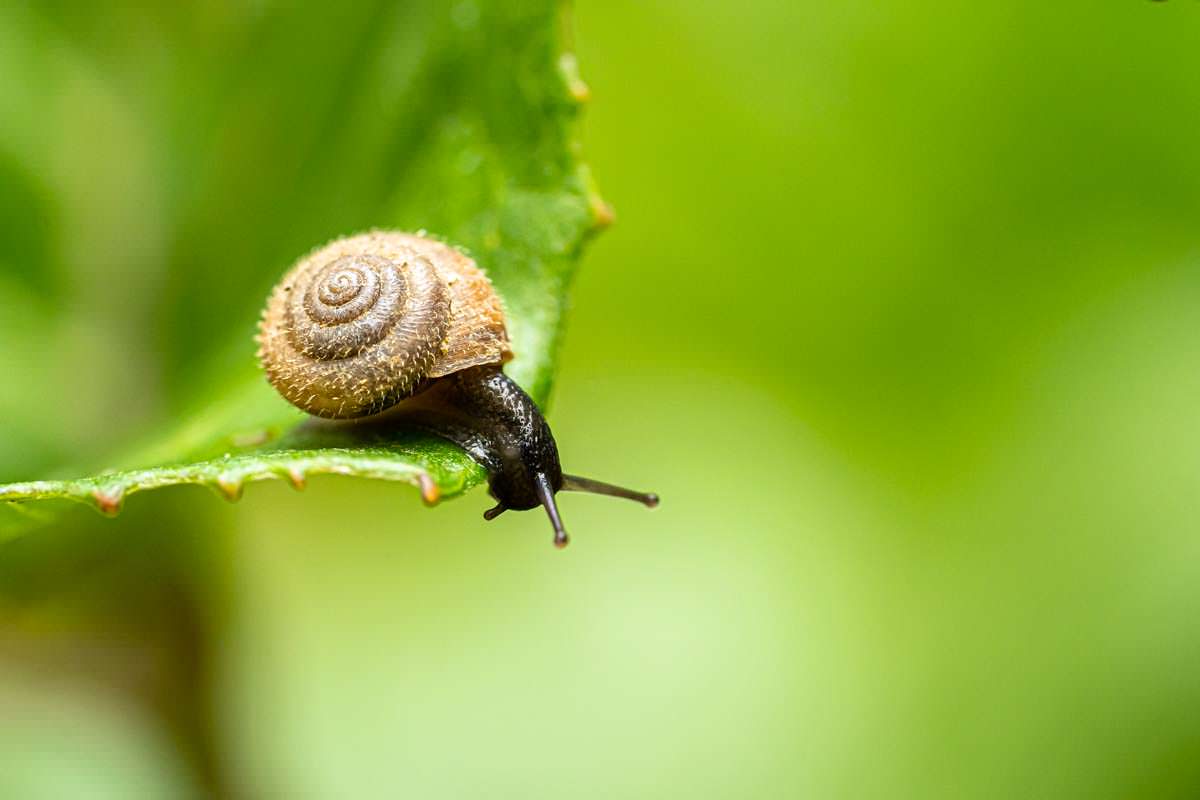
[
  {"x": 296, "y": 478},
  {"x": 576, "y": 87},
  {"x": 602, "y": 213},
  {"x": 430, "y": 493},
  {"x": 109, "y": 501},
  {"x": 230, "y": 487}
]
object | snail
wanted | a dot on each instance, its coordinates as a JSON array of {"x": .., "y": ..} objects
[{"x": 405, "y": 324}]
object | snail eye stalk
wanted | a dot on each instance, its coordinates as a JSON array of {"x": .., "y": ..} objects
[
  {"x": 546, "y": 494},
  {"x": 574, "y": 483},
  {"x": 541, "y": 485}
]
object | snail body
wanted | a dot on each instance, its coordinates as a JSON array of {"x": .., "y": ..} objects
[{"x": 401, "y": 323}]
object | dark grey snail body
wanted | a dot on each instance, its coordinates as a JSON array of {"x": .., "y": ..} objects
[{"x": 401, "y": 323}]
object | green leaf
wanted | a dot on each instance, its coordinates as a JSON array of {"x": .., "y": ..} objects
[{"x": 455, "y": 118}]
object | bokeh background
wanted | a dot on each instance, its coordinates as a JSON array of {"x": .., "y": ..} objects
[{"x": 901, "y": 316}]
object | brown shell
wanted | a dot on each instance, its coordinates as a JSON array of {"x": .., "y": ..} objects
[{"x": 356, "y": 326}]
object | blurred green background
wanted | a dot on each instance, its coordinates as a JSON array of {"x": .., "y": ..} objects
[{"x": 901, "y": 316}]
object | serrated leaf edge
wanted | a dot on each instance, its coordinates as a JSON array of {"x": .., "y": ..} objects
[{"x": 228, "y": 476}]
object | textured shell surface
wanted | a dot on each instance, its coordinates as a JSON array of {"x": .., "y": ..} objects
[{"x": 357, "y": 325}]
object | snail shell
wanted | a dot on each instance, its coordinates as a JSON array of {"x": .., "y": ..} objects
[{"x": 360, "y": 324}]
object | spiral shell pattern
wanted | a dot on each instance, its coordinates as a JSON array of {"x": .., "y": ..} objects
[{"x": 358, "y": 325}]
